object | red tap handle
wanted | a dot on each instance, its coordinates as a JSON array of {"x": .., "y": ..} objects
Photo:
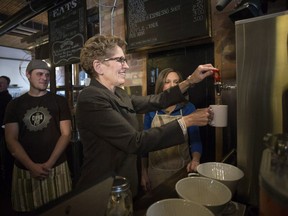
[{"x": 217, "y": 77}]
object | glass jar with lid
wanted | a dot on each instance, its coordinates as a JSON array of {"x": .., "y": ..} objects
[{"x": 120, "y": 202}]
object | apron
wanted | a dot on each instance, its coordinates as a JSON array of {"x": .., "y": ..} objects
[
  {"x": 29, "y": 193},
  {"x": 166, "y": 162}
]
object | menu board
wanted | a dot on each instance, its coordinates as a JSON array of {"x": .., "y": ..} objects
[
  {"x": 67, "y": 32},
  {"x": 154, "y": 23}
]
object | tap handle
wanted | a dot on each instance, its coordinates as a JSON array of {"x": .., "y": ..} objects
[{"x": 216, "y": 75}]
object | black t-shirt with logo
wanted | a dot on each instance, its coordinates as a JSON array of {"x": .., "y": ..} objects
[{"x": 39, "y": 124}]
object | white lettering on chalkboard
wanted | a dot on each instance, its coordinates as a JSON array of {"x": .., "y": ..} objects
[
  {"x": 66, "y": 50},
  {"x": 157, "y": 22},
  {"x": 63, "y": 9},
  {"x": 159, "y": 13},
  {"x": 198, "y": 11},
  {"x": 137, "y": 14},
  {"x": 153, "y": 25},
  {"x": 175, "y": 9}
]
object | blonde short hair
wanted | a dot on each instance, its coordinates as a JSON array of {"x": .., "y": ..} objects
[{"x": 98, "y": 47}]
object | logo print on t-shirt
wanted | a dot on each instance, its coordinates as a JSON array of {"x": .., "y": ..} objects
[{"x": 37, "y": 118}]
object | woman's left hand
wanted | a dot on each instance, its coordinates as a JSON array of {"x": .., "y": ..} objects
[{"x": 192, "y": 166}]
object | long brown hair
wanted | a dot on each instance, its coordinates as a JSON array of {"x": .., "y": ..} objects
[{"x": 162, "y": 78}]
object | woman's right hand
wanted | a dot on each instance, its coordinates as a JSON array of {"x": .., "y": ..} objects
[
  {"x": 200, "y": 117},
  {"x": 200, "y": 73}
]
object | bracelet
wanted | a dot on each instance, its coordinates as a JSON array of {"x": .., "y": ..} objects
[
  {"x": 190, "y": 83},
  {"x": 183, "y": 126}
]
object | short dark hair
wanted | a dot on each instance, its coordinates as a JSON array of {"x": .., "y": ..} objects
[{"x": 7, "y": 79}]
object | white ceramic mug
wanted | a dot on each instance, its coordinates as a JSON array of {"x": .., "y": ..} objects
[{"x": 220, "y": 115}]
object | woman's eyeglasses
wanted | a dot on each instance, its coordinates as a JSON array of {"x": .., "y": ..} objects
[{"x": 121, "y": 59}]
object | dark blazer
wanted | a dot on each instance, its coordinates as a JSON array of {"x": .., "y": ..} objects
[{"x": 109, "y": 130}]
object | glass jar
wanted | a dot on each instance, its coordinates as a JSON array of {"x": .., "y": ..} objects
[{"x": 120, "y": 202}]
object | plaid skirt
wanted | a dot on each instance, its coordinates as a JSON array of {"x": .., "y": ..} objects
[{"x": 29, "y": 193}]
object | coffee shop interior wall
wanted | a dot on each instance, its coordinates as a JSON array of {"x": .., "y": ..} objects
[
  {"x": 111, "y": 21},
  {"x": 223, "y": 37}
]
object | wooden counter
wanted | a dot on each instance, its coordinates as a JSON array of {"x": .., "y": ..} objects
[{"x": 163, "y": 191}]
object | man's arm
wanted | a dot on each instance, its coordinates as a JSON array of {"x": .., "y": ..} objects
[
  {"x": 17, "y": 151},
  {"x": 62, "y": 143}
]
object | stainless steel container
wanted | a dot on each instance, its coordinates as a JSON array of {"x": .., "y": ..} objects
[{"x": 262, "y": 93}]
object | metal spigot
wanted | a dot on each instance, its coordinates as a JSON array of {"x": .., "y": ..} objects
[{"x": 219, "y": 87}]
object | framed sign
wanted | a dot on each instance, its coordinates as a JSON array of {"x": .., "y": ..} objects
[
  {"x": 67, "y": 32},
  {"x": 156, "y": 23}
]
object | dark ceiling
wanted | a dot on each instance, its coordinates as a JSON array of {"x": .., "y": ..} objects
[{"x": 24, "y": 23}]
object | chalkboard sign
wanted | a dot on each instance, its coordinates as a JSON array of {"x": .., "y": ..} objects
[
  {"x": 154, "y": 23},
  {"x": 67, "y": 32}
]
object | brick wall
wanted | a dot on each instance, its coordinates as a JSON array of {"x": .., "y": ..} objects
[{"x": 112, "y": 22}]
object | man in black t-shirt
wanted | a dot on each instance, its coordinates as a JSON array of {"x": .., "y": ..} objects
[{"x": 38, "y": 131}]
